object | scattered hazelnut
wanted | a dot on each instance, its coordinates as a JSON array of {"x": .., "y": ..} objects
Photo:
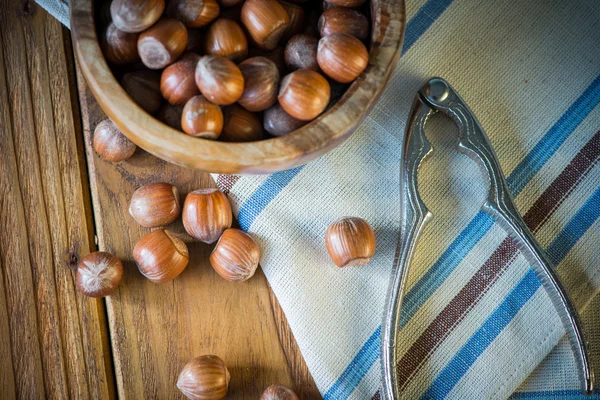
[
  {"x": 350, "y": 241},
  {"x": 160, "y": 256},
  {"x": 99, "y": 274},
  {"x": 240, "y": 125},
  {"x": 110, "y": 143},
  {"x": 296, "y": 25},
  {"x": 236, "y": 256},
  {"x": 301, "y": 53},
  {"x": 193, "y": 13},
  {"x": 155, "y": 204},
  {"x": 136, "y": 15},
  {"x": 163, "y": 43},
  {"x": 304, "y": 94},
  {"x": 278, "y": 392},
  {"x": 219, "y": 80},
  {"x": 144, "y": 88},
  {"x": 344, "y": 20},
  {"x": 170, "y": 115},
  {"x": 342, "y": 57},
  {"x": 206, "y": 214},
  {"x": 261, "y": 78},
  {"x": 177, "y": 82},
  {"x": 227, "y": 39},
  {"x": 266, "y": 21},
  {"x": 278, "y": 123},
  {"x": 201, "y": 118},
  {"x": 204, "y": 378},
  {"x": 119, "y": 47}
]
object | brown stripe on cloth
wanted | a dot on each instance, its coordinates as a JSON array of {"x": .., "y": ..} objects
[
  {"x": 226, "y": 182},
  {"x": 441, "y": 327}
]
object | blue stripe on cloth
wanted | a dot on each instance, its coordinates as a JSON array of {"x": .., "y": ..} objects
[
  {"x": 556, "y": 135},
  {"x": 576, "y": 227},
  {"x": 468, "y": 354},
  {"x": 433, "y": 278},
  {"x": 554, "y": 394},
  {"x": 361, "y": 364},
  {"x": 261, "y": 198},
  {"x": 501, "y": 317},
  {"x": 423, "y": 19},
  {"x": 469, "y": 236}
]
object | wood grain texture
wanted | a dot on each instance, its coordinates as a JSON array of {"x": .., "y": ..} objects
[
  {"x": 53, "y": 340},
  {"x": 296, "y": 148},
  {"x": 156, "y": 329}
]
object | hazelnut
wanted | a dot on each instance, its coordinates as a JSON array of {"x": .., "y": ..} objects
[
  {"x": 278, "y": 123},
  {"x": 350, "y": 241},
  {"x": 195, "y": 42},
  {"x": 193, "y": 13},
  {"x": 301, "y": 53},
  {"x": 342, "y": 57},
  {"x": 261, "y": 78},
  {"x": 346, "y": 3},
  {"x": 278, "y": 392},
  {"x": 162, "y": 44},
  {"x": 296, "y": 25},
  {"x": 206, "y": 214},
  {"x": 136, "y": 15},
  {"x": 99, "y": 274},
  {"x": 155, "y": 204},
  {"x": 160, "y": 256},
  {"x": 235, "y": 256},
  {"x": 170, "y": 115},
  {"x": 227, "y": 39},
  {"x": 275, "y": 55},
  {"x": 110, "y": 143},
  {"x": 304, "y": 94},
  {"x": 119, "y": 47},
  {"x": 219, "y": 80},
  {"x": 177, "y": 82},
  {"x": 266, "y": 21},
  {"x": 144, "y": 88},
  {"x": 344, "y": 20},
  {"x": 204, "y": 378},
  {"x": 240, "y": 125},
  {"x": 201, "y": 118}
]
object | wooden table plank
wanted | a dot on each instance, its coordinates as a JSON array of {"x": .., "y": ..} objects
[
  {"x": 57, "y": 338},
  {"x": 156, "y": 329}
]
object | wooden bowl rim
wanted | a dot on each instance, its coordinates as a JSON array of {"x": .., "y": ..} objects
[{"x": 266, "y": 156}]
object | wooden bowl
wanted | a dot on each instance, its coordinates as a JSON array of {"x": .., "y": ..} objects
[{"x": 267, "y": 156}]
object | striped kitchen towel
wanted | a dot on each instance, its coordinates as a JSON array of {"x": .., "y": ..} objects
[{"x": 476, "y": 322}]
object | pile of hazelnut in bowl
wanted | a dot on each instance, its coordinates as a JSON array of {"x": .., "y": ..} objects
[{"x": 235, "y": 70}]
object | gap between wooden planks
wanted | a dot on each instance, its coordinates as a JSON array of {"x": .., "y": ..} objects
[{"x": 156, "y": 329}]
